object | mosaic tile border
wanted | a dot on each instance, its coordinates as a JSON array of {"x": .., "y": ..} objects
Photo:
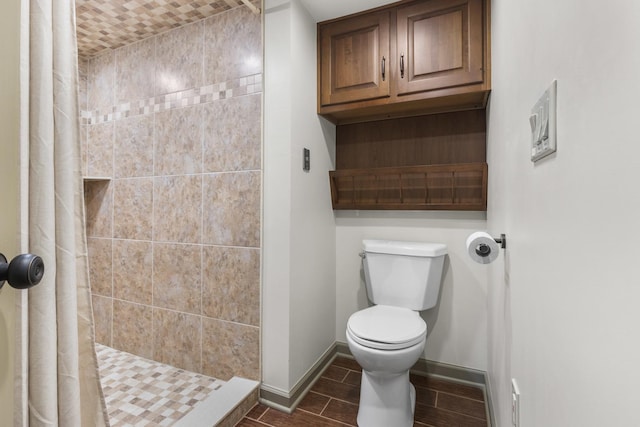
[{"x": 239, "y": 87}]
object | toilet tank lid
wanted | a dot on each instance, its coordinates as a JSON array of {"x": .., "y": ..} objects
[{"x": 405, "y": 248}]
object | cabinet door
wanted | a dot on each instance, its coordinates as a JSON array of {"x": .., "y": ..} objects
[
  {"x": 440, "y": 45},
  {"x": 354, "y": 59}
]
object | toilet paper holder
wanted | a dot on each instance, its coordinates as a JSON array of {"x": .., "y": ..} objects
[{"x": 484, "y": 250}]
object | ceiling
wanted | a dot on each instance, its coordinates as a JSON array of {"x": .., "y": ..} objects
[
  {"x": 322, "y": 10},
  {"x": 110, "y": 24}
]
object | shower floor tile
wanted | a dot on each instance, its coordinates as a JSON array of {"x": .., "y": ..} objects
[{"x": 141, "y": 392}]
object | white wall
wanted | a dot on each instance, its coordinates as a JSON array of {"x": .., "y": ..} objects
[
  {"x": 457, "y": 326},
  {"x": 313, "y": 270},
  {"x": 9, "y": 177},
  {"x": 564, "y": 307},
  {"x": 277, "y": 196},
  {"x": 299, "y": 239}
]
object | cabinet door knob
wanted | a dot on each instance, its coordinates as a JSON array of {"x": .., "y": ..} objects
[
  {"x": 384, "y": 60},
  {"x": 402, "y": 66}
]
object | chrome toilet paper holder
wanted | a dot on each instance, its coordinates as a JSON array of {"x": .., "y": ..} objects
[{"x": 502, "y": 241}]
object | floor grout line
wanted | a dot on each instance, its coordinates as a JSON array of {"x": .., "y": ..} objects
[
  {"x": 327, "y": 418},
  {"x": 324, "y": 407},
  {"x": 455, "y": 395}
]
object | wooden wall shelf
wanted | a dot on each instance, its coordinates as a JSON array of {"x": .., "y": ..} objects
[
  {"x": 461, "y": 186},
  {"x": 425, "y": 162}
]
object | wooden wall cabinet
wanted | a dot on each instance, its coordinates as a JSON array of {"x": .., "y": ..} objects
[
  {"x": 357, "y": 51},
  {"x": 407, "y": 86},
  {"x": 411, "y": 58}
]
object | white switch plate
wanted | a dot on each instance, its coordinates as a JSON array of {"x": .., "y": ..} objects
[{"x": 543, "y": 124}]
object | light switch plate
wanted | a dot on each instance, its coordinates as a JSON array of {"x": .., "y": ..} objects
[
  {"x": 306, "y": 159},
  {"x": 543, "y": 124}
]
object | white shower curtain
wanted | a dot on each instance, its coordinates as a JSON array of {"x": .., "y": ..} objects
[{"x": 57, "y": 383}]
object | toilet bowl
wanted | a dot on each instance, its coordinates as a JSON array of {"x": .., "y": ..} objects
[{"x": 386, "y": 339}]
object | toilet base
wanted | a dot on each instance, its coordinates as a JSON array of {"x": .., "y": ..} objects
[{"x": 386, "y": 399}]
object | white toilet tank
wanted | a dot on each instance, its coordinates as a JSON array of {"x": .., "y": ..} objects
[{"x": 403, "y": 274}]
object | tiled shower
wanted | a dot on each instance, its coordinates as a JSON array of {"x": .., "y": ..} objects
[{"x": 171, "y": 134}]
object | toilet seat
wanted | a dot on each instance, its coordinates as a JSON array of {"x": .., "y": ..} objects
[{"x": 385, "y": 327}]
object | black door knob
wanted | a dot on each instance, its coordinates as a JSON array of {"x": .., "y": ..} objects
[{"x": 23, "y": 272}]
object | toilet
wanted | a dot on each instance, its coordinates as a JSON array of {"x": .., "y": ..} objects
[{"x": 402, "y": 279}]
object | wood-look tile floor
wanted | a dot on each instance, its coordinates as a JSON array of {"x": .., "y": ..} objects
[{"x": 333, "y": 401}]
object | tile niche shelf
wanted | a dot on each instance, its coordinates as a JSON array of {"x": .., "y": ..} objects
[
  {"x": 433, "y": 187},
  {"x": 96, "y": 179}
]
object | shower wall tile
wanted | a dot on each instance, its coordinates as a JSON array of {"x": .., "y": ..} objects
[
  {"x": 83, "y": 75},
  {"x": 232, "y": 134},
  {"x": 233, "y": 45},
  {"x": 100, "y": 266},
  {"x": 230, "y": 349},
  {"x": 174, "y": 236},
  {"x": 133, "y": 204},
  {"x": 98, "y": 199},
  {"x": 184, "y": 332},
  {"x": 133, "y": 147},
  {"x": 132, "y": 271},
  {"x": 177, "y": 273},
  {"x": 103, "y": 315},
  {"x": 132, "y": 328},
  {"x": 100, "y": 152},
  {"x": 178, "y": 147},
  {"x": 83, "y": 79},
  {"x": 232, "y": 203},
  {"x": 135, "y": 71},
  {"x": 101, "y": 81},
  {"x": 231, "y": 290},
  {"x": 179, "y": 59},
  {"x": 177, "y": 207},
  {"x": 84, "y": 148}
]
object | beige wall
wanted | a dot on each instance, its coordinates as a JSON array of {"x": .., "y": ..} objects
[
  {"x": 174, "y": 236},
  {"x": 9, "y": 179}
]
